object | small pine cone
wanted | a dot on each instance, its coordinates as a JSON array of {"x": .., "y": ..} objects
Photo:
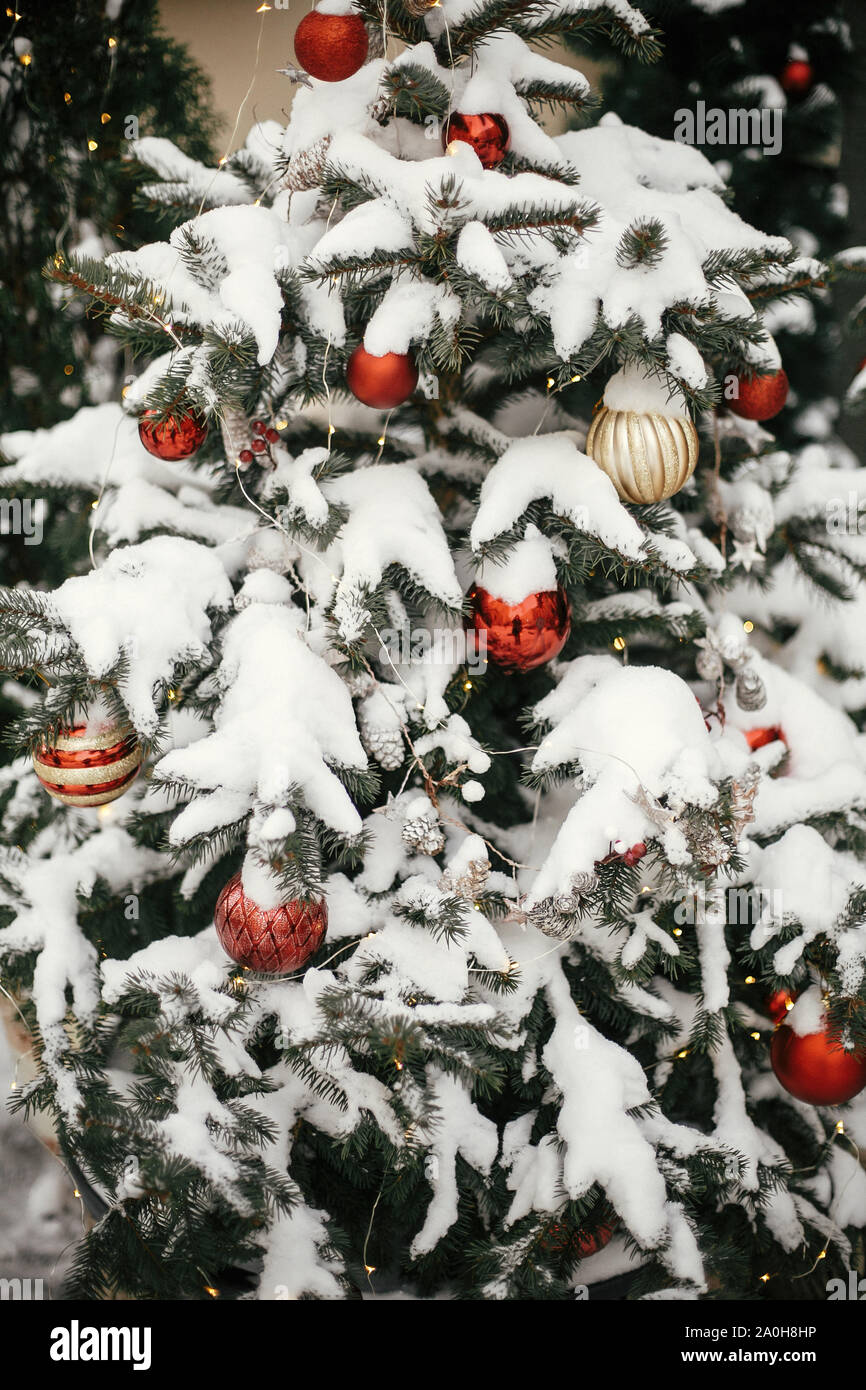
[
  {"x": 386, "y": 746},
  {"x": 750, "y": 691},
  {"x": 470, "y": 882},
  {"x": 424, "y": 834},
  {"x": 270, "y": 550},
  {"x": 548, "y": 918},
  {"x": 236, "y": 433},
  {"x": 305, "y": 169},
  {"x": 709, "y": 665}
]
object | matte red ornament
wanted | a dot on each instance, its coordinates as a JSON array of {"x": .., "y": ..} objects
[
  {"x": 797, "y": 77},
  {"x": 760, "y": 737},
  {"x": 563, "y": 1240},
  {"x": 89, "y": 766},
  {"x": 270, "y": 940},
  {"x": 331, "y": 47},
  {"x": 815, "y": 1067},
  {"x": 778, "y": 1003},
  {"x": 488, "y": 135},
  {"x": 172, "y": 437},
  {"x": 383, "y": 382},
  {"x": 521, "y": 636},
  {"x": 761, "y": 397}
]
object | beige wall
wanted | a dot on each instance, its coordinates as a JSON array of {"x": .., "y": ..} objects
[{"x": 222, "y": 35}]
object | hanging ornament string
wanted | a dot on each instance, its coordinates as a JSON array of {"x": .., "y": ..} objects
[
  {"x": 554, "y": 390},
  {"x": 97, "y": 503},
  {"x": 262, "y": 10}
]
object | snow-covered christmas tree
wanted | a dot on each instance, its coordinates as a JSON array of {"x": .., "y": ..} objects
[{"x": 415, "y": 846}]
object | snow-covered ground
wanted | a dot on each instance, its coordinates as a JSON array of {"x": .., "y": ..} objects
[{"x": 40, "y": 1218}]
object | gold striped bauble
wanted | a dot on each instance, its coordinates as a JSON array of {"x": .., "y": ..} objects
[
  {"x": 647, "y": 457},
  {"x": 89, "y": 767}
]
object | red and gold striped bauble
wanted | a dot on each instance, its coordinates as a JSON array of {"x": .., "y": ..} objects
[{"x": 88, "y": 766}]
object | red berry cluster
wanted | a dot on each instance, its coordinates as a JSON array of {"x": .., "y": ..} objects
[
  {"x": 629, "y": 856},
  {"x": 264, "y": 435}
]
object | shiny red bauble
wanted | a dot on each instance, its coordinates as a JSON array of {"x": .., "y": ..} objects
[
  {"x": 521, "y": 636},
  {"x": 816, "y": 1068},
  {"x": 87, "y": 766},
  {"x": 760, "y": 397},
  {"x": 778, "y": 1003},
  {"x": 797, "y": 77},
  {"x": 383, "y": 382},
  {"x": 172, "y": 437},
  {"x": 270, "y": 940},
  {"x": 331, "y": 47},
  {"x": 760, "y": 737},
  {"x": 487, "y": 134}
]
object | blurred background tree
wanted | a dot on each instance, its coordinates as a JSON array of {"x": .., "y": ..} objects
[{"x": 76, "y": 81}]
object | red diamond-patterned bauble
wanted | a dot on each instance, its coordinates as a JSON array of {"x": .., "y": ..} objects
[
  {"x": 760, "y": 737},
  {"x": 89, "y": 765},
  {"x": 778, "y": 1003},
  {"x": 331, "y": 47},
  {"x": 564, "y": 1240},
  {"x": 172, "y": 437},
  {"x": 383, "y": 382},
  {"x": 521, "y": 636},
  {"x": 271, "y": 940},
  {"x": 487, "y": 134},
  {"x": 760, "y": 397},
  {"x": 797, "y": 77},
  {"x": 816, "y": 1067}
]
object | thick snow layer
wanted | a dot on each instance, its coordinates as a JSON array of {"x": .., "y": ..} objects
[
  {"x": 634, "y": 177},
  {"x": 99, "y": 444},
  {"x": 393, "y": 520},
  {"x": 529, "y": 568},
  {"x": 251, "y": 241},
  {"x": 631, "y": 389},
  {"x": 629, "y": 728},
  {"x": 274, "y": 742},
  {"x": 149, "y": 603},
  {"x": 51, "y": 883},
  {"x": 551, "y": 465}
]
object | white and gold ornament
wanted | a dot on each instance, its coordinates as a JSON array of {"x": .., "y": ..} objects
[{"x": 647, "y": 446}]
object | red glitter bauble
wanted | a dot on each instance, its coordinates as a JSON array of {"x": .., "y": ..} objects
[
  {"x": 521, "y": 636},
  {"x": 383, "y": 382},
  {"x": 89, "y": 766},
  {"x": 331, "y": 47},
  {"x": 174, "y": 436},
  {"x": 797, "y": 77},
  {"x": 487, "y": 134},
  {"x": 761, "y": 397},
  {"x": 270, "y": 940},
  {"x": 760, "y": 737},
  {"x": 815, "y": 1067},
  {"x": 778, "y": 1003}
]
